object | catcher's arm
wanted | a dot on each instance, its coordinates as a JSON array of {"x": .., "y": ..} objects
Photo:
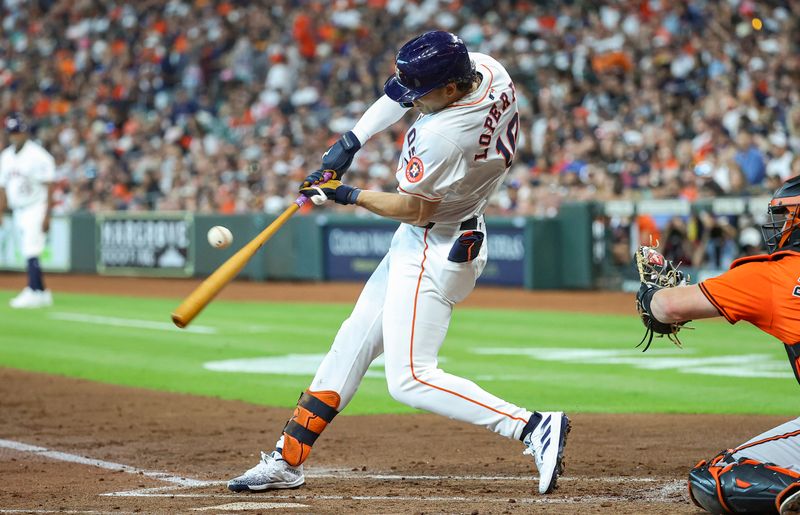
[{"x": 671, "y": 305}]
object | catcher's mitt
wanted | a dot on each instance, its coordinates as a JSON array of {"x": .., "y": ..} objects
[{"x": 655, "y": 273}]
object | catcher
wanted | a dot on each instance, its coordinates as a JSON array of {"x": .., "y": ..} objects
[{"x": 763, "y": 474}]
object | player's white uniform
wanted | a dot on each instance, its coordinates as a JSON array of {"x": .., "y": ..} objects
[
  {"x": 456, "y": 156},
  {"x": 25, "y": 176}
]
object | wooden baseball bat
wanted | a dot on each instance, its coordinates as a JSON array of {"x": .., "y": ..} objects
[{"x": 208, "y": 289}]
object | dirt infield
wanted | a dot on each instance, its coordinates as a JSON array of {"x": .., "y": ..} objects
[{"x": 170, "y": 453}]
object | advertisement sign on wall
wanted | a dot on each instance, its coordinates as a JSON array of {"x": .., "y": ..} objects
[
  {"x": 145, "y": 244},
  {"x": 506, "y": 264},
  {"x": 55, "y": 257},
  {"x": 352, "y": 252}
]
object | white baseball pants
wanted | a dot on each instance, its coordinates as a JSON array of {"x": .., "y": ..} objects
[
  {"x": 780, "y": 445},
  {"x": 404, "y": 312},
  {"x": 28, "y": 221}
]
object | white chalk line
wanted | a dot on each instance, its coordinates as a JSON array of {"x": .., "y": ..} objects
[
  {"x": 130, "y": 322},
  {"x": 180, "y": 482},
  {"x": 109, "y": 465},
  {"x": 401, "y": 498},
  {"x": 346, "y": 474},
  {"x": 239, "y": 506},
  {"x": 663, "y": 494}
]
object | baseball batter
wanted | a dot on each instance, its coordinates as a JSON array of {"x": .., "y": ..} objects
[
  {"x": 454, "y": 156},
  {"x": 27, "y": 172},
  {"x": 763, "y": 474}
]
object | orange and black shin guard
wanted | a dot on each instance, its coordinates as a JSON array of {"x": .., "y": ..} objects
[{"x": 314, "y": 411}]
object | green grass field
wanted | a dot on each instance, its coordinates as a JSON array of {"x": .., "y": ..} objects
[{"x": 541, "y": 360}]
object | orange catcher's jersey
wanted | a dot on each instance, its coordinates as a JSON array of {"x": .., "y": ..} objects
[
  {"x": 457, "y": 156},
  {"x": 763, "y": 290}
]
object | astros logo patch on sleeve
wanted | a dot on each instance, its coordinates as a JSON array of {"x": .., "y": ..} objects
[{"x": 414, "y": 169}]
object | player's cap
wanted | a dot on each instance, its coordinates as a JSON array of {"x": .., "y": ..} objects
[
  {"x": 783, "y": 228},
  {"x": 427, "y": 62},
  {"x": 14, "y": 123}
]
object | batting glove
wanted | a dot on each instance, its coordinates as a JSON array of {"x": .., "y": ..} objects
[
  {"x": 337, "y": 159},
  {"x": 334, "y": 190}
]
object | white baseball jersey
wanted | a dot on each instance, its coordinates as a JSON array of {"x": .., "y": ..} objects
[
  {"x": 456, "y": 156},
  {"x": 25, "y": 174},
  {"x": 460, "y": 154}
]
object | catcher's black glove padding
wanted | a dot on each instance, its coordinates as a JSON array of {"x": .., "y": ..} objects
[
  {"x": 336, "y": 160},
  {"x": 656, "y": 273}
]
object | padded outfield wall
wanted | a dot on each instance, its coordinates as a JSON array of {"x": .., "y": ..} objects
[{"x": 573, "y": 250}]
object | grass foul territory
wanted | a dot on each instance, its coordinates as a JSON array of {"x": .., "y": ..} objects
[{"x": 266, "y": 353}]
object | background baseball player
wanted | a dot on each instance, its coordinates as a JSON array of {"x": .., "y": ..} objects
[
  {"x": 453, "y": 157},
  {"x": 762, "y": 474},
  {"x": 27, "y": 172}
]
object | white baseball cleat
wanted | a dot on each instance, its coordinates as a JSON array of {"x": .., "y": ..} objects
[
  {"x": 546, "y": 445},
  {"x": 791, "y": 505},
  {"x": 45, "y": 299},
  {"x": 30, "y": 299},
  {"x": 271, "y": 473}
]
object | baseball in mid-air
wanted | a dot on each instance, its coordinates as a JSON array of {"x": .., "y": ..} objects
[{"x": 220, "y": 237}]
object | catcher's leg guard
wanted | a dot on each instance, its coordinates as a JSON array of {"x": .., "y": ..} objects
[
  {"x": 744, "y": 486},
  {"x": 313, "y": 412}
]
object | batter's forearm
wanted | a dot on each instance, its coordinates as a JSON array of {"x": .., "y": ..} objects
[{"x": 404, "y": 208}]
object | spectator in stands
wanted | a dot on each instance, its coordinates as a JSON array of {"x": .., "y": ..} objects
[
  {"x": 164, "y": 105},
  {"x": 750, "y": 158},
  {"x": 780, "y": 158}
]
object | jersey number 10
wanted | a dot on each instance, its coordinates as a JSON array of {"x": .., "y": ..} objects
[{"x": 507, "y": 151}]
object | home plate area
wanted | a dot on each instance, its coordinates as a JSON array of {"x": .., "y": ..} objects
[
  {"x": 74, "y": 446},
  {"x": 424, "y": 493},
  {"x": 386, "y": 491}
]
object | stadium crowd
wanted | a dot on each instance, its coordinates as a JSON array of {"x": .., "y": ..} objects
[{"x": 225, "y": 105}]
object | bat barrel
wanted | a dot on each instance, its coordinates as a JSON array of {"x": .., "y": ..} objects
[
  {"x": 208, "y": 289},
  {"x": 179, "y": 320}
]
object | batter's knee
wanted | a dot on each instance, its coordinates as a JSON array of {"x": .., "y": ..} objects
[
  {"x": 401, "y": 388},
  {"x": 405, "y": 386},
  {"x": 743, "y": 486}
]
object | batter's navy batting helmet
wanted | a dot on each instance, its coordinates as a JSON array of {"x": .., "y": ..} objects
[
  {"x": 15, "y": 123},
  {"x": 783, "y": 229},
  {"x": 427, "y": 62}
]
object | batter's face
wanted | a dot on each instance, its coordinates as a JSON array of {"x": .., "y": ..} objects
[
  {"x": 17, "y": 138},
  {"x": 438, "y": 99}
]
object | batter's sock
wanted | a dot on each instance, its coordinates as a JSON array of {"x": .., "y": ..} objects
[
  {"x": 531, "y": 425},
  {"x": 35, "y": 280}
]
